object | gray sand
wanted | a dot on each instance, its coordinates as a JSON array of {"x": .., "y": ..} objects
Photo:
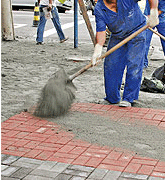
[
  {"x": 26, "y": 68},
  {"x": 143, "y": 139}
]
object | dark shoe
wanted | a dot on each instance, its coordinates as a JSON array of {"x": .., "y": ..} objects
[
  {"x": 61, "y": 41},
  {"x": 39, "y": 43}
]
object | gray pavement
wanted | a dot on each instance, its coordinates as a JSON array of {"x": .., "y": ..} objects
[{"x": 20, "y": 168}]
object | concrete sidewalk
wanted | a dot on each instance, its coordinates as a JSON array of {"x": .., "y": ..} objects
[{"x": 36, "y": 149}]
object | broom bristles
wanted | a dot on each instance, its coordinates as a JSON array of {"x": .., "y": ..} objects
[{"x": 56, "y": 96}]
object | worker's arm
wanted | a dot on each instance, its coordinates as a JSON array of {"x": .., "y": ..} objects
[
  {"x": 38, "y": 1},
  {"x": 50, "y": 4},
  {"x": 101, "y": 37},
  {"x": 153, "y": 19},
  {"x": 153, "y": 4},
  {"x": 100, "y": 40}
]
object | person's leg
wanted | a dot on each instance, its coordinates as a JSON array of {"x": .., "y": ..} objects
[
  {"x": 41, "y": 26},
  {"x": 148, "y": 41},
  {"x": 161, "y": 30},
  {"x": 114, "y": 65},
  {"x": 135, "y": 64},
  {"x": 56, "y": 22}
]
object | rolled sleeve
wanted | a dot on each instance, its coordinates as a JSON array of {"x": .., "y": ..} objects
[{"x": 100, "y": 23}]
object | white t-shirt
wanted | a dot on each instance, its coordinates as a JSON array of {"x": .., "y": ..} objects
[{"x": 46, "y": 2}]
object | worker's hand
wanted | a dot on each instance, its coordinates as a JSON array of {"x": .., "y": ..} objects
[
  {"x": 96, "y": 54},
  {"x": 50, "y": 7},
  {"x": 153, "y": 19}
]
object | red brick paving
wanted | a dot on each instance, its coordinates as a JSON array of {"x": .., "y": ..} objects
[
  {"x": 28, "y": 136},
  {"x": 146, "y": 169}
]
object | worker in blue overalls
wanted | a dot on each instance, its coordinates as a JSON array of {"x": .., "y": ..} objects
[
  {"x": 160, "y": 27},
  {"x": 122, "y": 17}
]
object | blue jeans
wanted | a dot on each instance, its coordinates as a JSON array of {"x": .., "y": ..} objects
[{"x": 56, "y": 21}]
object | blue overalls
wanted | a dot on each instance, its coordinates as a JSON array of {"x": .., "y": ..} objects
[
  {"x": 160, "y": 27},
  {"x": 126, "y": 21}
]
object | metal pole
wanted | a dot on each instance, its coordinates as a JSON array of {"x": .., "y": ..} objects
[{"x": 75, "y": 23}]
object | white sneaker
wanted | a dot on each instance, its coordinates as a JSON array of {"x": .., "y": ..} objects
[
  {"x": 125, "y": 104},
  {"x": 61, "y": 41}
]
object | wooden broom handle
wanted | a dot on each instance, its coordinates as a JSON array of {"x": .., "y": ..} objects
[
  {"x": 109, "y": 52},
  {"x": 161, "y": 36},
  {"x": 87, "y": 21}
]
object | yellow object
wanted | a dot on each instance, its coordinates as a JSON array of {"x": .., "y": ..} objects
[
  {"x": 62, "y": 1},
  {"x": 36, "y": 18}
]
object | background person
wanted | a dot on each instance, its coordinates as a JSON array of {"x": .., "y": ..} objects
[
  {"x": 122, "y": 17},
  {"x": 55, "y": 19},
  {"x": 160, "y": 27}
]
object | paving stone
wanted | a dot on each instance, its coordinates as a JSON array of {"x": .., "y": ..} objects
[
  {"x": 59, "y": 167},
  {"x": 90, "y": 179},
  {"x": 112, "y": 175},
  {"x": 3, "y": 167},
  {"x": 81, "y": 168},
  {"x": 9, "y": 171},
  {"x": 30, "y": 160},
  {"x": 78, "y": 178},
  {"x": 47, "y": 165},
  {"x": 21, "y": 173},
  {"x": 98, "y": 174},
  {"x": 63, "y": 176},
  {"x": 9, "y": 160},
  {"x": 155, "y": 178},
  {"x": 76, "y": 172},
  {"x": 4, "y": 157},
  {"x": 122, "y": 178},
  {"x": 36, "y": 177},
  {"x": 20, "y": 163},
  {"x": 44, "y": 173},
  {"x": 134, "y": 176},
  {"x": 8, "y": 178}
]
